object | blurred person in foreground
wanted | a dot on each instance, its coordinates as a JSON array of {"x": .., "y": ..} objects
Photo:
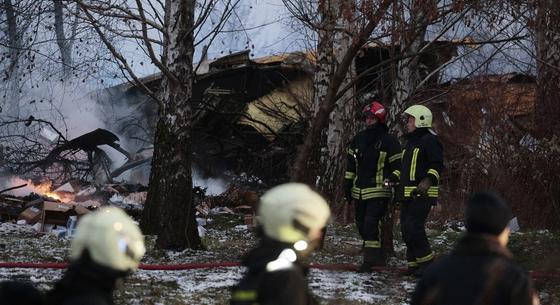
[
  {"x": 480, "y": 270},
  {"x": 290, "y": 218},
  {"x": 107, "y": 247}
]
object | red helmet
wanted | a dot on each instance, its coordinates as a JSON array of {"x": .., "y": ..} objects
[{"x": 375, "y": 109}]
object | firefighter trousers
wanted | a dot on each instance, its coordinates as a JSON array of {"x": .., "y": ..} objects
[
  {"x": 413, "y": 228},
  {"x": 368, "y": 220}
]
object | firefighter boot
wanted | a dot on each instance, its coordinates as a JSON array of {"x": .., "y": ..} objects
[
  {"x": 411, "y": 269},
  {"x": 419, "y": 272},
  {"x": 373, "y": 257}
]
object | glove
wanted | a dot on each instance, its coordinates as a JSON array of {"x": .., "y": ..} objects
[
  {"x": 391, "y": 181},
  {"x": 422, "y": 188},
  {"x": 393, "y": 178},
  {"x": 387, "y": 183}
]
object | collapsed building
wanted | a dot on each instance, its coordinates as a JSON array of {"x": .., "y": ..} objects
[{"x": 250, "y": 113}]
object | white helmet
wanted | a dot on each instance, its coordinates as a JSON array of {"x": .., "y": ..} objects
[
  {"x": 292, "y": 212},
  {"x": 112, "y": 238}
]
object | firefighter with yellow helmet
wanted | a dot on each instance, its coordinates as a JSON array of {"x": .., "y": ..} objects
[
  {"x": 290, "y": 217},
  {"x": 108, "y": 246},
  {"x": 419, "y": 177}
]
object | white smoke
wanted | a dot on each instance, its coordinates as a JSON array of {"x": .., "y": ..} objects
[
  {"x": 66, "y": 105},
  {"x": 214, "y": 185},
  {"x": 7, "y": 182}
]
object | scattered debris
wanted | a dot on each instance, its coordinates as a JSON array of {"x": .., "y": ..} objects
[
  {"x": 55, "y": 213},
  {"x": 13, "y": 188},
  {"x": 30, "y": 215},
  {"x": 65, "y": 188},
  {"x": 514, "y": 225}
]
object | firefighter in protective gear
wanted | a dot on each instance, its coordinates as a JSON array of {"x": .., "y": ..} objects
[
  {"x": 419, "y": 177},
  {"x": 290, "y": 218},
  {"x": 372, "y": 156},
  {"x": 108, "y": 245}
]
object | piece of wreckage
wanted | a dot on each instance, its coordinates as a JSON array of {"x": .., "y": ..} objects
[
  {"x": 44, "y": 213},
  {"x": 52, "y": 210},
  {"x": 98, "y": 160},
  {"x": 57, "y": 210},
  {"x": 250, "y": 114},
  {"x": 45, "y": 207}
]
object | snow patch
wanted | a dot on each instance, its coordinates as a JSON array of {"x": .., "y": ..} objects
[{"x": 347, "y": 285}]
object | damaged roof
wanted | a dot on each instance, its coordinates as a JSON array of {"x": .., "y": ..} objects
[
  {"x": 238, "y": 89},
  {"x": 514, "y": 93}
]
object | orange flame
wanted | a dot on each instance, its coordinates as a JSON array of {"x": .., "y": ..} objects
[{"x": 45, "y": 190}]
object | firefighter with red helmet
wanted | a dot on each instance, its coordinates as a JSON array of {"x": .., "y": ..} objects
[
  {"x": 419, "y": 177},
  {"x": 373, "y": 155}
]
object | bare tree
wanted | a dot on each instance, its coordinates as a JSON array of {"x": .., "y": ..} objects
[
  {"x": 168, "y": 28},
  {"x": 64, "y": 43},
  {"x": 548, "y": 68},
  {"x": 306, "y": 167},
  {"x": 14, "y": 44},
  {"x": 411, "y": 35},
  {"x": 46, "y": 50},
  {"x": 342, "y": 123}
]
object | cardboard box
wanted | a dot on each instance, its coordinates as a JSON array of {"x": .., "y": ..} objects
[
  {"x": 58, "y": 213},
  {"x": 31, "y": 215},
  {"x": 80, "y": 210}
]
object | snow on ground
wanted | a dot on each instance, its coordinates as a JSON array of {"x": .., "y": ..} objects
[
  {"x": 375, "y": 288},
  {"x": 227, "y": 238},
  {"x": 40, "y": 278},
  {"x": 12, "y": 228},
  {"x": 211, "y": 286}
]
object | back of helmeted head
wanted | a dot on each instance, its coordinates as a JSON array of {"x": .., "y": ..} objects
[
  {"x": 112, "y": 239},
  {"x": 291, "y": 212},
  {"x": 487, "y": 213}
]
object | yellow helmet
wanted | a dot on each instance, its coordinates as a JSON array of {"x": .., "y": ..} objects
[
  {"x": 422, "y": 115},
  {"x": 292, "y": 212},
  {"x": 112, "y": 238}
]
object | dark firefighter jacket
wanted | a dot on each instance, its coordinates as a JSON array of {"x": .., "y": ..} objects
[
  {"x": 284, "y": 284},
  {"x": 422, "y": 157},
  {"x": 479, "y": 271},
  {"x": 373, "y": 155},
  {"x": 19, "y": 293},
  {"x": 85, "y": 283}
]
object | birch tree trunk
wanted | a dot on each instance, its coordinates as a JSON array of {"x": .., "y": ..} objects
[
  {"x": 407, "y": 74},
  {"x": 306, "y": 166},
  {"x": 548, "y": 65},
  {"x": 406, "y": 79},
  {"x": 11, "y": 106},
  {"x": 342, "y": 124},
  {"x": 169, "y": 209},
  {"x": 324, "y": 68},
  {"x": 62, "y": 41}
]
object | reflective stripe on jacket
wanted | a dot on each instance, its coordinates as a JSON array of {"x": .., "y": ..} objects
[
  {"x": 422, "y": 157},
  {"x": 372, "y": 156}
]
